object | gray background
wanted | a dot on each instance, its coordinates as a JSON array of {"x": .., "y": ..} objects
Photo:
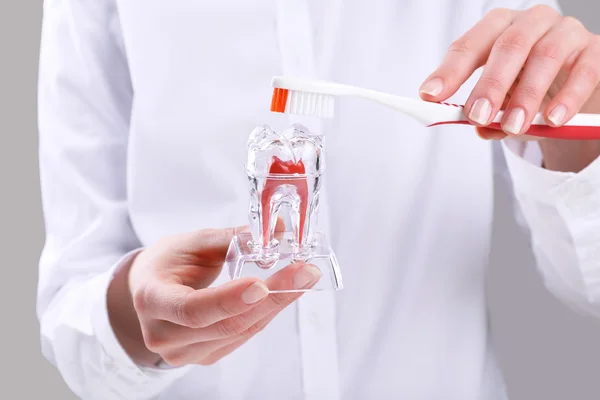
[{"x": 547, "y": 352}]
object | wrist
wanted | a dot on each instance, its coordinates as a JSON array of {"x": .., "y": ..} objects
[{"x": 124, "y": 319}]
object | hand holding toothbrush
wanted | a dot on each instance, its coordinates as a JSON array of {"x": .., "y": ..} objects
[{"x": 534, "y": 61}]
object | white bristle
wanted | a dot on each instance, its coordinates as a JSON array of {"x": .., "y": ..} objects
[{"x": 310, "y": 104}]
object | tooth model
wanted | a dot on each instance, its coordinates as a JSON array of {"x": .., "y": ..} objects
[{"x": 285, "y": 173}]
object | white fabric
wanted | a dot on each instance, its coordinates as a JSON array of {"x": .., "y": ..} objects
[
  {"x": 145, "y": 108},
  {"x": 298, "y": 39}
]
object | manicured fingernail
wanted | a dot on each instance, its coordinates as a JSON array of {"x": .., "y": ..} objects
[
  {"x": 514, "y": 121},
  {"x": 557, "y": 115},
  {"x": 305, "y": 276},
  {"x": 481, "y": 110},
  {"x": 433, "y": 87},
  {"x": 255, "y": 293}
]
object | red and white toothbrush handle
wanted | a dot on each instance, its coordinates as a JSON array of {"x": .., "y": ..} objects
[{"x": 580, "y": 127}]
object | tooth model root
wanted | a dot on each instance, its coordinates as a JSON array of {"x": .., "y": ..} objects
[{"x": 284, "y": 191}]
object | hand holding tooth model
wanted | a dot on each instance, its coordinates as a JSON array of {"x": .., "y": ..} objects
[
  {"x": 180, "y": 324},
  {"x": 270, "y": 268}
]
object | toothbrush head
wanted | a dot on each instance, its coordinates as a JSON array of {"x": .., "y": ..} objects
[{"x": 303, "y": 103}]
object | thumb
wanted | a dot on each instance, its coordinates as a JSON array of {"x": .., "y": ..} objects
[
  {"x": 208, "y": 247},
  {"x": 495, "y": 134},
  {"x": 212, "y": 244},
  {"x": 490, "y": 134}
]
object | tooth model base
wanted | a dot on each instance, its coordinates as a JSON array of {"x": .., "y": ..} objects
[{"x": 245, "y": 261}]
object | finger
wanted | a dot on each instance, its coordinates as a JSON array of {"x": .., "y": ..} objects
[
  {"x": 206, "y": 353},
  {"x": 206, "y": 247},
  {"x": 490, "y": 134},
  {"x": 579, "y": 86},
  {"x": 234, "y": 345},
  {"x": 280, "y": 226},
  {"x": 466, "y": 55},
  {"x": 506, "y": 59},
  {"x": 185, "y": 306},
  {"x": 494, "y": 134},
  {"x": 509, "y": 94},
  {"x": 293, "y": 277},
  {"x": 543, "y": 65},
  {"x": 223, "y": 352}
]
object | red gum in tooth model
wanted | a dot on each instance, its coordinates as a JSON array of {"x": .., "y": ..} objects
[{"x": 279, "y": 167}]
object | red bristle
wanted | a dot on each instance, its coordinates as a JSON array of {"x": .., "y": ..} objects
[
  {"x": 284, "y": 96},
  {"x": 279, "y": 100},
  {"x": 274, "y": 99}
]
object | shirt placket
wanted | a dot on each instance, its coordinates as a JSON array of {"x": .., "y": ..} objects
[{"x": 315, "y": 311}]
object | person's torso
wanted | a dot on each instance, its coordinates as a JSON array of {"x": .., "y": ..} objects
[{"x": 410, "y": 207}]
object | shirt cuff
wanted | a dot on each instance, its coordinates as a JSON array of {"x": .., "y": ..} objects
[
  {"x": 575, "y": 196},
  {"x": 524, "y": 161},
  {"x": 117, "y": 363}
]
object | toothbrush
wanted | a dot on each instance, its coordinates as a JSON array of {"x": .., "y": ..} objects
[{"x": 299, "y": 96}]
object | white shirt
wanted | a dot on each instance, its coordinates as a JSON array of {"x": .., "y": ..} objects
[{"x": 145, "y": 108}]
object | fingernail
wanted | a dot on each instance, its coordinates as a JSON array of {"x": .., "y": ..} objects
[
  {"x": 305, "y": 276},
  {"x": 255, "y": 293},
  {"x": 433, "y": 87},
  {"x": 481, "y": 110},
  {"x": 557, "y": 114},
  {"x": 514, "y": 122}
]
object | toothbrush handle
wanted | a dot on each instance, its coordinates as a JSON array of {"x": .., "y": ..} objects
[
  {"x": 569, "y": 132},
  {"x": 580, "y": 127}
]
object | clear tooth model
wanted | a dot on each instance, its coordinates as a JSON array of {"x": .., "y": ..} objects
[{"x": 285, "y": 172}]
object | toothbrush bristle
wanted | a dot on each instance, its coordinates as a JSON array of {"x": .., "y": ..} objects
[{"x": 303, "y": 103}]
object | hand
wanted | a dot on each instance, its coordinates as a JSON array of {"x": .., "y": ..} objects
[
  {"x": 164, "y": 309},
  {"x": 535, "y": 60}
]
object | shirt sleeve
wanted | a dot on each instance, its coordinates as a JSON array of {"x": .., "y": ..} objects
[
  {"x": 562, "y": 212},
  {"x": 85, "y": 97}
]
